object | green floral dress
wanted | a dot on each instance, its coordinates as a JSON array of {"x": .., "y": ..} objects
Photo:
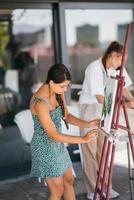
[{"x": 49, "y": 158}]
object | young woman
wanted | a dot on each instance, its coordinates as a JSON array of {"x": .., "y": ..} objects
[
  {"x": 50, "y": 159},
  {"x": 91, "y": 100}
]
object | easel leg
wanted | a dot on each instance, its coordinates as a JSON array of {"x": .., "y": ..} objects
[
  {"x": 130, "y": 173},
  {"x": 101, "y": 185},
  {"x": 130, "y": 150},
  {"x": 105, "y": 169},
  {"x": 100, "y": 167},
  {"x": 130, "y": 136},
  {"x": 110, "y": 172}
]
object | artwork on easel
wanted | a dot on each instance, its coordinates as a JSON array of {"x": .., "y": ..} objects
[{"x": 108, "y": 105}]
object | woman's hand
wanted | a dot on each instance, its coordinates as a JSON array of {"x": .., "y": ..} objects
[
  {"x": 90, "y": 135},
  {"x": 130, "y": 104},
  {"x": 94, "y": 123}
]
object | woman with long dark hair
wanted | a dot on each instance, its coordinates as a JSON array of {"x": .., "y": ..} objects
[
  {"x": 50, "y": 158},
  {"x": 91, "y": 100}
]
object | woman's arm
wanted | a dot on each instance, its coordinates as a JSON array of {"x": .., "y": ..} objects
[
  {"x": 129, "y": 97},
  {"x": 71, "y": 119},
  {"x": 42, "y": 111},
  {"x": 100, "y": 98},
  {"x": 127, "y": 94}
]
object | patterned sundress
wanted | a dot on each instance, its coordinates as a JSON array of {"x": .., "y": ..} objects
[{"x": 49, "y": 158}]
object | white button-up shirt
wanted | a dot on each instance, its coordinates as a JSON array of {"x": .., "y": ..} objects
[{"x": 95, "y": 81}]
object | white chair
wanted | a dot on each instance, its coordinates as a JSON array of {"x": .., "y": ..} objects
[{"x": 24, "y": 121}]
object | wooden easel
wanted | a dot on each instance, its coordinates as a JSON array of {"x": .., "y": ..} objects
[{"x": 102, "y": 189}]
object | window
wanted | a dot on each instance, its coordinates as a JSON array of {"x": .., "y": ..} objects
[
  {"x": 26, "y": 54},
  {"x": 89, "y": 31}
]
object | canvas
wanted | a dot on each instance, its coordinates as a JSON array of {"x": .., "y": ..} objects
[{"x": 108, "y": 106}]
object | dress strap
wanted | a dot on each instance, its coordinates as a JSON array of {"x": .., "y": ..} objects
[{"x": 36, "y": 99}]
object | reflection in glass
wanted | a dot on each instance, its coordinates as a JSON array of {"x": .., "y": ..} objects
[
  {"x": 88, "y": 34},
  {"x": 29, "y": 51},
  {"x": 33, "y": 29}
]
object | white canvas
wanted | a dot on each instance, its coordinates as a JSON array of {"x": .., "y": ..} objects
[{"x": 108, "y": 106}]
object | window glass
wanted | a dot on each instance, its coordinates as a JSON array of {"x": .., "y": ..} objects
[
  {"x": 89, "y": 32},
  {"x": 26, "y": 53}
]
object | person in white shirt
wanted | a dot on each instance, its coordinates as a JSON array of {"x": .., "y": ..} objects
[{"x": 91, "y": 101}]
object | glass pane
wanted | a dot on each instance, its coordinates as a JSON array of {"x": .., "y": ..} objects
[
  {"x": 88, "y": 34},
  {"x": 26, "y": 53}
]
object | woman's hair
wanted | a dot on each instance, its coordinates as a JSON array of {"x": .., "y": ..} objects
[
  {"x": 113, "y": 47},
  {"x": 58, "y": 73}
]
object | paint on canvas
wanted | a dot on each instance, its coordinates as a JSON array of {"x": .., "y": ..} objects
[{"x": 108, "y": 106}]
